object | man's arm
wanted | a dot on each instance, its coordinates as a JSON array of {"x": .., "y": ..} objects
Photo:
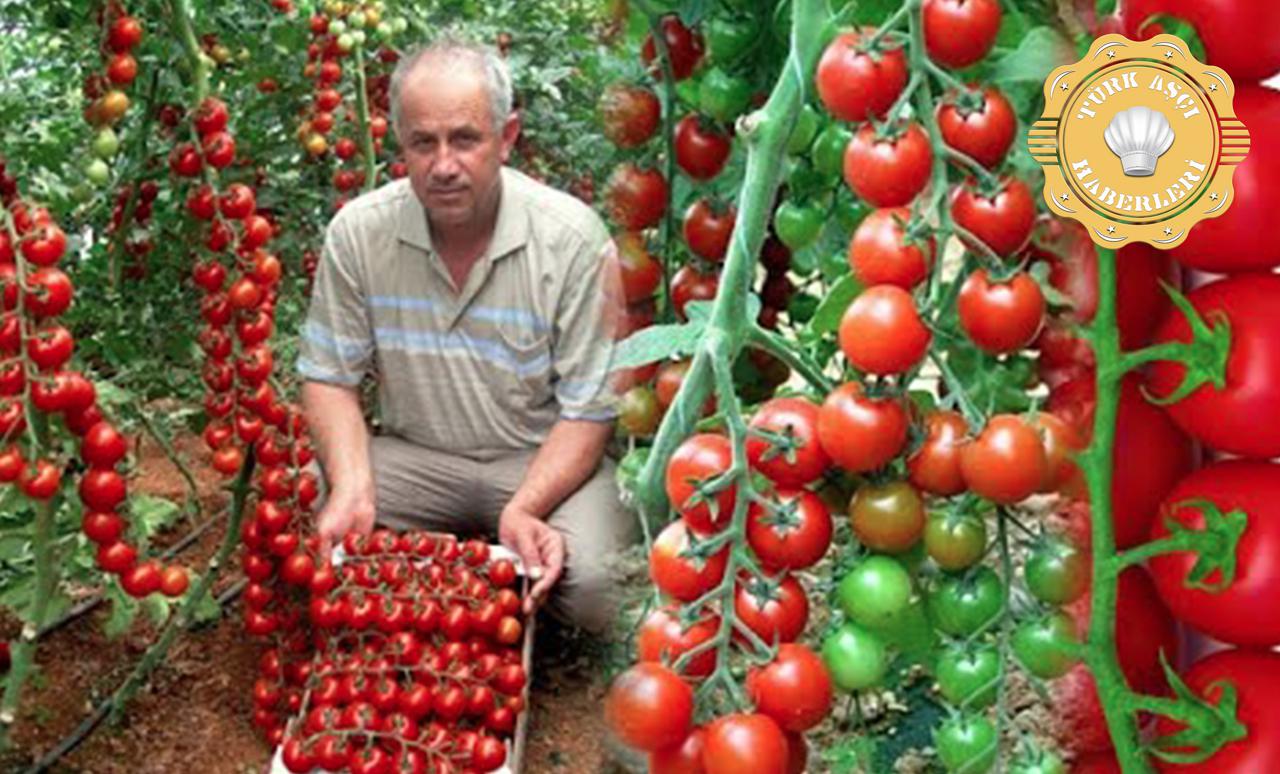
[
  {"x": 567, "y": 458},
  {"x": 342, "y": 444}
]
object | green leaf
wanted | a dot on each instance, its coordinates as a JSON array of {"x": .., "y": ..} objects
[
  {"x": 827, "y": 318},
  {"x": 658, "y": 342},
  {"x": 152, "y": 514},
  {"x": 124, "y": 609},
  {"x": 206, "y": 609},
  {"x": 1041, "y": 50}
]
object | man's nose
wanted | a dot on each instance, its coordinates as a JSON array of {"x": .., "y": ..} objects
[{"x": 446, "y": 163}]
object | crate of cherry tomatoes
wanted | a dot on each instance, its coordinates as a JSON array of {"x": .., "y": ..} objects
[{"x": 422, "y": 662}]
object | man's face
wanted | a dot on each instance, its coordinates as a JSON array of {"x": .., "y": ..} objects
[{"x": 451, "y": 148}]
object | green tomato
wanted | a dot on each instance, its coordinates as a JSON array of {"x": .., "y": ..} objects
[
  {"x": 346, "y": 42},
  {"x": 955, "y": 540},
  {"x": 828, "y": 150},
  {"x": 804, "y": 181},
  {"x": 961, "y": 605},
  {"x": 359, "y": 37},
  {"x": 969, "y": 676},
  {"x": 97, "y": 172},
  {"x": 399, "y": 24},
  {"x": 1043, "y": 646},
  {"x": 1038, "y": 762},
  {"x": 356, "y": 19},
  {"x": 850, "y": 210},
  {"x": 105, "y": 143},
  {"x": 1057, "y": 572},
  {"x": 337, "y": 27},
  {"x": 798, "y": 225},
  {"x": 722, "y": 96},
  {"x": 967, "y": 743},
  {"x": 856, "y": 657},
  {"x": 875, "y": 592},
  {"x": 385, "y": 30},
  {"x": 728, "y": 39},
  {"x": 805, "y": 129},
  {"x": 801, "y": 308}
]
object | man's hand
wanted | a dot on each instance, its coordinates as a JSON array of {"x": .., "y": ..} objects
[
  {"x": 343, "y": 512},
  {"x": 540, "y": 546}
]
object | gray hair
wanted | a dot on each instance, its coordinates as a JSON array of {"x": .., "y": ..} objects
[{"x": 454, "y": 51}]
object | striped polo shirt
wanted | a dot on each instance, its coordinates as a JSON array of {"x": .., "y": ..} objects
[{"x": 484, "y": 370}]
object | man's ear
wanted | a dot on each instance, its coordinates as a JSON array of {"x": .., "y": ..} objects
[{"x": 510, "y": 133}]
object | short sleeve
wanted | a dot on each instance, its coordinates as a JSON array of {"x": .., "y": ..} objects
[
  {"x": 336, "y": 345},
  {"x": 584, "y": 347}
]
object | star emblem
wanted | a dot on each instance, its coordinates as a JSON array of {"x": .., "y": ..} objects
[
  {"x": 1111, "y": 55},
  {"x": 1065, "y": 87},
  {"x": 1064, "y": 197},
  {"x": 1213, "y": 87},
  {"x": 1213, "y": 196},
  {"x": 1168, "y": 231},
  {"x": 1111, "y": 229},
  {"x": 1168, "y": 55}
]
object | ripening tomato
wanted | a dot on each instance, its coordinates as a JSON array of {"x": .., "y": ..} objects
[
  {"x": 935, "y": 466},
  {"x": 641, "y": 272},
  {"x": 1225, "y": 27},
  {"x": 682, "y": 758},
  {"x": 665, "y": 635},
  {"x": 1006, "y": 462},
  {"x": 636, "y": 198},
  {"x": 125, "y": 33},
  {"x": 794, "y": 688},
  {"x": 649, "y": 707},
  {"x": 881, "y": 332},
  {"x": 1244, "y": 417},
  {"x": 1002, "y": 221},
  {"x": 792, "y": 533},
  {"x": 979, "y": 124},
  {"x": 102, "y": 490},
  {"x": 630, "y": 114},
  {"x": 793, "y": 457},
  {"x": 861, "y": 433},
  {"x": 211, "y": 116},
  {"x": 1229, "y": 614},
  {"x": 958, "y": 33},
  {"x": 889, "y": 170},
  {"x": 887, "y": 517},
  {"x": 40, "y": 480},
  {"x": 141, "y": 580},
  {"x": 688, "y": 284},
  {"x": 1000, "y": 316},
  {"x": 45, "y": 246},
  {"x": 701, "y": 149},
  {"x": 882, "y": 253},
  {"x": 744, "y": 742},
  {"x": 219, "y": 149},
  {"x": 684, "y": 48},
  {"x": 776, "y": 609},
  {"x": 678, "y": 569},
  {"x": 707, "y": 229},
  {"x": 701, "y": 458},
  {"x": 855, "y": 84}
]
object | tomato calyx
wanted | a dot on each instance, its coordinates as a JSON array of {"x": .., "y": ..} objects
[
  {"x": 1208, "y": 727},
  {"x": 1214, "y": 545},
  {"x": 1204, "y": 357}
]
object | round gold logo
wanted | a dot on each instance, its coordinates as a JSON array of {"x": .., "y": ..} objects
[{"x": 1138, "y": 141}]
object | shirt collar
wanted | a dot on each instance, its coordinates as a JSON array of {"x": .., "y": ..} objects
[{"x": 510, "y": 232}]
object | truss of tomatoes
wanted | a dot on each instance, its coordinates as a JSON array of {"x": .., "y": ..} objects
[
  {"x": 34, "y": 352},
  {"x": 421, "y": 663}
]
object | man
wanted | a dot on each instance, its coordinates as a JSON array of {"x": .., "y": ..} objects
[{"x": 480, "y": 297}]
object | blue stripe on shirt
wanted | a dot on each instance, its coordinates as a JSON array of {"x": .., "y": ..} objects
[
  {"x": 344, "y": 347},
  {"x": 520, "y": 317},
  {"x": 311, "y": 370}
]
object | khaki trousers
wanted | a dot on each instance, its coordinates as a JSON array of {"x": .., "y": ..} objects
[{"x": 420, "y": 488}]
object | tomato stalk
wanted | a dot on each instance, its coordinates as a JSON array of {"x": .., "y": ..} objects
[
  {"x": 191, "y": 501},
  {"x": 1096, "y": 464},
  {"x": 131, "y": 201},
  {"x": 666, "y": 311},
  {"x": 366, "y": 133},
  {"x": 180, "y": 12},
  {"x": 47, "y": 567},
  {"x": 183, "y": 619}
]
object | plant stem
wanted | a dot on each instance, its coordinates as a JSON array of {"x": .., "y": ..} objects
[
  {"x": 765, "y": 133},
  {"x": 366, "y": 132},
  {"x": 180, "y": 12},
  {"x": 1096, "y": 463},
  {"x": 183, "y": 618},
  {"x": 666, "y": 311}
]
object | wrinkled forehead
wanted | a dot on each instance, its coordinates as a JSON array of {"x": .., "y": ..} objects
[{"x": 446, "y": 92}]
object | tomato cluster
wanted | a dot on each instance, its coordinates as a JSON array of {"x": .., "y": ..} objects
[
  {"x": 336, "y": 34},
  {"x": 35, "y": 351},
  {"x": 106, "y": 90},
  {"x": 419, "y": 666}
]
